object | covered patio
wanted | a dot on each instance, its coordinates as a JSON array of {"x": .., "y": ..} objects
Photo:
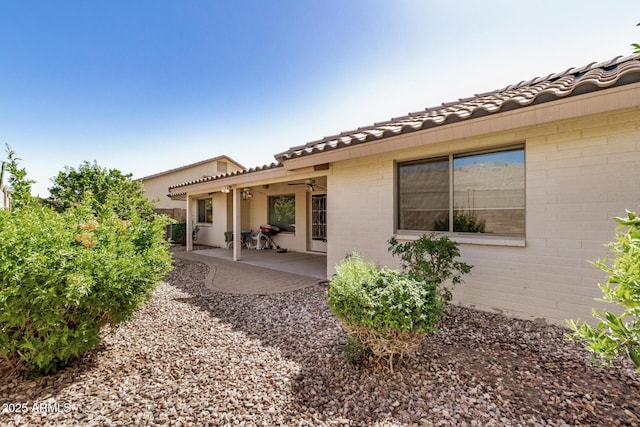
[{"x": 224, "y": 211}]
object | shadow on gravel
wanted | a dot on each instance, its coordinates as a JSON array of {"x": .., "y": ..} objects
[
  {"x": 300, "y": 325},
  {"x": 20, "y": 387},
  {"x": 479, "y": 367}
]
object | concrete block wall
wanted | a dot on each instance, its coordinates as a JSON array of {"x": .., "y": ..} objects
[
  {"x": 360, "y": 206},
  {"x": 579, "y": 174}
]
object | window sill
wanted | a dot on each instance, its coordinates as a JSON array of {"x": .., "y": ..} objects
[
  {"x": 204, "y": 224},
  {"x": 470, "y": 239}
]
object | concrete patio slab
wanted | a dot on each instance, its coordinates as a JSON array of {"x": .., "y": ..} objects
[
  {"x": 242, "y": 278},
  {"x": 303, "y": 263}
]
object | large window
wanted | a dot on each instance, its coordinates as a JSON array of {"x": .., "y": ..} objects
[
  {"x": 282, "y": 212},
  {"x": 480, "y": 192},
  {"x": 205, "y": 211},
  {"x": 423, "y": 193}
]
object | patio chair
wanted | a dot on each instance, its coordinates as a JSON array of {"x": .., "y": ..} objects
[
  {"x": 228, "y": 239},
  {"x": 245, "y": 239}
]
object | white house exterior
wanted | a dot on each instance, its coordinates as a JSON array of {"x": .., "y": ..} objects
[{"x": 545, "y": 164}]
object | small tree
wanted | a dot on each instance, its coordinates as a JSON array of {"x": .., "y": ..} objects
[
  {"x": 617, "y": 336},
  {"x": 71, "y": 185},
  {"x": 636, "y": 46}
]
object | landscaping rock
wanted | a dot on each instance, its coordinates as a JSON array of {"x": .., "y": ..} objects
[{"x": 195, "y": 357}]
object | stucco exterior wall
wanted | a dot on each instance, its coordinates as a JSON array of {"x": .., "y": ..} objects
[
  {"x": 156, "y": 188},
  {"x": 579, "y": 174},
  {"x": 212, "y": 234},
  {"x": 222, "y": 203}
]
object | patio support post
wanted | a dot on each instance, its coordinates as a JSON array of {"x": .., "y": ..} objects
[
  {"x": 189, "y": 226},
  {"x": 237, "y": 224}
]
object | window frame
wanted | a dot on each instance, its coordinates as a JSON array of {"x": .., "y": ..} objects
[
  {"x": 460, "y": 236},
  {"x": 270, "y": 219},
  {"x": 202, "y": 204}
]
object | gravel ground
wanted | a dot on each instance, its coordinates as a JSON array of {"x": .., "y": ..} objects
[{"x": 196, "y": 357}]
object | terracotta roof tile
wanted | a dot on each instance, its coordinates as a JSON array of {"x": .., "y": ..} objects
[
  {"x": 171, "y": 195},
  {"x": 573, "y": 81},
  {"x": 222, "y": 176}
]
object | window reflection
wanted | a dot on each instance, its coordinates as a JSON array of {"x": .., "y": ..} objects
[
  {"x": 205, "y": 211},
  {"x": 282, "y": 212},
  {"x": 423, "y": 194},
  {"x": 488, "y": 193}
]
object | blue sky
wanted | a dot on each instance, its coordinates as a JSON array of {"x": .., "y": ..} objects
[{"x": 144, "y": 86}]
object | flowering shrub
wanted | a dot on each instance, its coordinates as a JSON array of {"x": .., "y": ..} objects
[{"x": 63, "y": 276}]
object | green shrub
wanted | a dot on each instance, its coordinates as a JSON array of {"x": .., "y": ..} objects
[
  {"x": 385, "y": 311},
  {"x": 63, "y": 276},
  {"x": 617, "y": 336},
  {"x": 432, "y": 259},
  {"x": 179, "y": 232}
]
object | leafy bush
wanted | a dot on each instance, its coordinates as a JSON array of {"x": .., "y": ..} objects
[
  {"x": 617, "y": 336},
  {"x": 120, "y": 190},
  {"x": 385, "y": 311},
  {"x": 63, "y": 276},
  {"x": 433, "y": 259}
]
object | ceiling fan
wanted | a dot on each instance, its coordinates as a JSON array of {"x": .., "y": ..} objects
[{"x": 310, "y": 183}]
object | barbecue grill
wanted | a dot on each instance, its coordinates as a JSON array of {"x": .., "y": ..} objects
[{"x": 268, "y": 231}]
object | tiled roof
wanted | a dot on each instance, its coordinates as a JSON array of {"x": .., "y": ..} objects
[
  {"x": 574, "y": 81},
  {"x": 226, "y": 175},
  {"x": 170, "y": 195}
]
